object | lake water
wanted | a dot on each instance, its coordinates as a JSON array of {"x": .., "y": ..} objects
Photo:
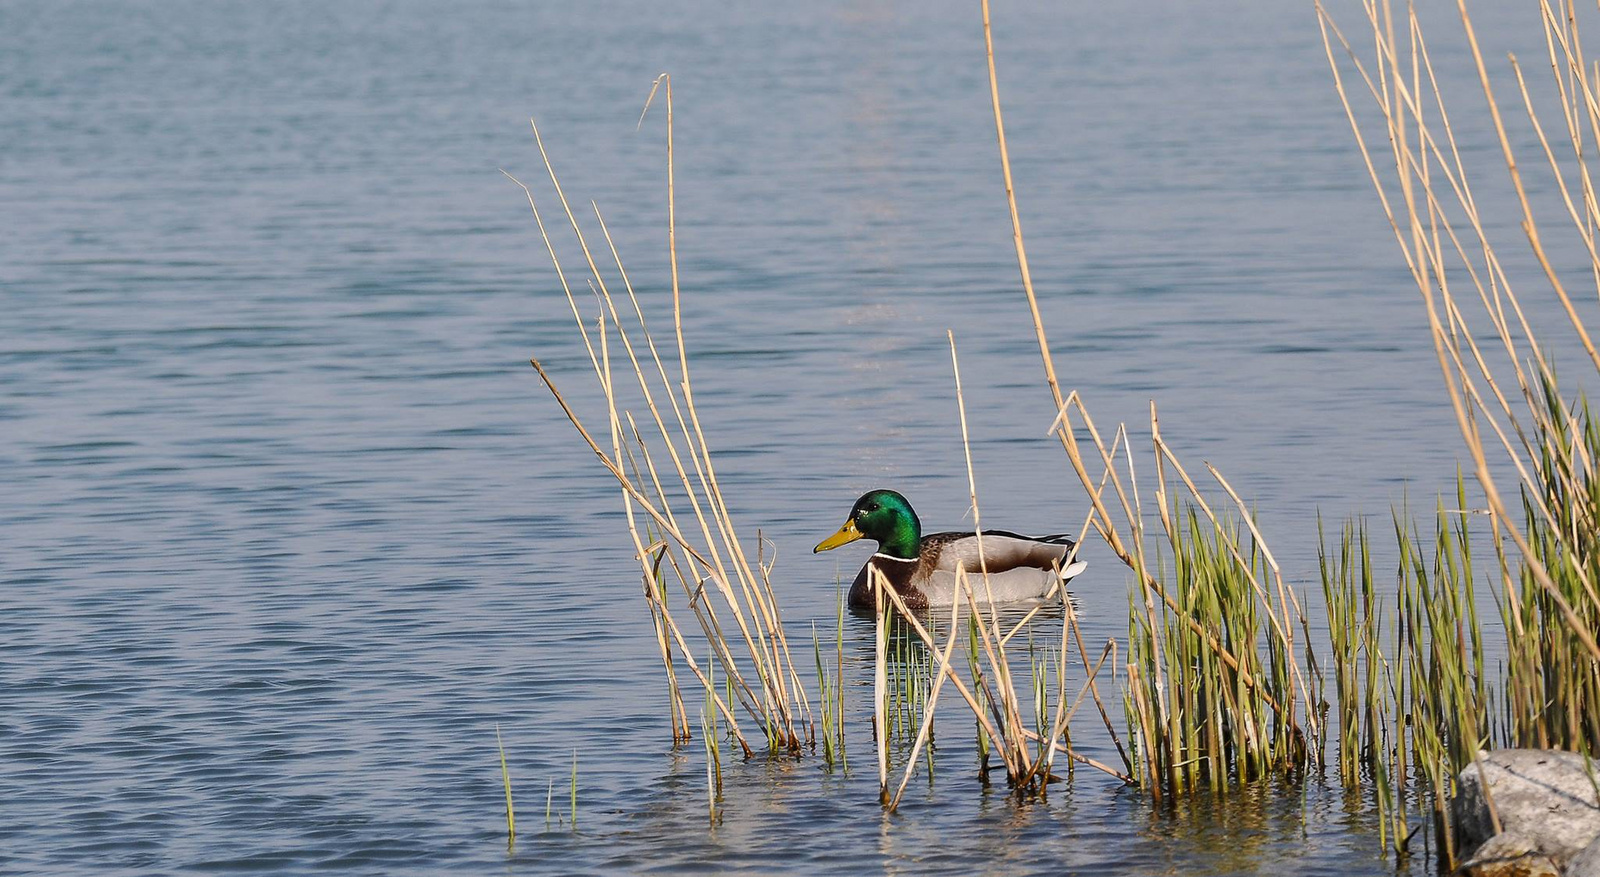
[{"x": 289, "y": 525}]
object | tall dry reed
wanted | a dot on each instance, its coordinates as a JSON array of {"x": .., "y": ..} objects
[
  {"x": 990, "y": 689},
  {"x": 1178, "y": 743},
  {"x": 1527, "y": 437},
  {"x": 678, "y": 518}
]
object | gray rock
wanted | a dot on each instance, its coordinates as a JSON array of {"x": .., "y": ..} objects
[
  {"x": 1509, "y": 854},
  {"x": 1543, "y": 795},
  {"x": 1587, "y": 863}
]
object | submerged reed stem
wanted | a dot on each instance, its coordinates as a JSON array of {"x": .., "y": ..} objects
[{"x": 505, "y": 776}]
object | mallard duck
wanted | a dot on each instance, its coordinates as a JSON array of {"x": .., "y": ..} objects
[{"x": 922, "y": 569}]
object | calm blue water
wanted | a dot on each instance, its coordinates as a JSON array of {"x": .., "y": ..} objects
[{"x": 289, "y": 525}]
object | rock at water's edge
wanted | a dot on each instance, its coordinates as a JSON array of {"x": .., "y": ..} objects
[
  {"x": 1509, "y": 854},
  {"x": 1543, "y": 795},
  {"x": 1587, "y": 863}
]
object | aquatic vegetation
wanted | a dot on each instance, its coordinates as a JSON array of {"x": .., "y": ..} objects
[
  {"x": 1221, "y": 665},
  {"x": 713, "y": 746},
  {"x": 551, "y": 815},
  {"x": 1497, "y": 358},
  {"x": 505, "y": 776},
  {"x": 1555, "y": 694},
  {"x": 1205, "y": 720},
  {"x": 1410, "y": 686},
  {"x": 1222, "y": 681},
  {"x": 1498, "y": 368},
  {"x": 1168, "y": 735},
  {"x": 992, "y": 695},
  {"x": 1421, "y": 710},
  {"x": 680, "y": 523},
  {"x": 830, "y": 694},
  {"x": 1415, "y": 700},
  {"x": 684, "y": 532}
]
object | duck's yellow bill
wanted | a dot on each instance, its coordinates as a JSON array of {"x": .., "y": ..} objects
[{"x": 847, "y": 534}]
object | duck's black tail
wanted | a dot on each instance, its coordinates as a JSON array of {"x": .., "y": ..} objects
[{"x": 1057, "y": 539}]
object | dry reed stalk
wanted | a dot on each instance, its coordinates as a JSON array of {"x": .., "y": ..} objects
[
  {"x": 1008, "y": 739},
  {"x": 1064, "y": 716},
  {"x": 656, "y": 596},
  {"x": 1015, "y": 739},
  {"x": 1102, "y": 519},
  {"x": 1427, "y": 262},
  {"x": 943, "y": 668},
  {"x": 718, "y": 642},
  {"x": 763, "y": 681},
  {"x": 757, "y": 589},
  {"x": 970, "y": 694},
  {"x": 1164, "y": 726},
  {"x": 1001, "y": 723},
  {"x": 982, "y": 715},
  {"x": 880, "y": 682},
  {"x": 1134, "y": 558},
  {"x": 1168, "y": 719},
  {"x": 1550, "y": 688},
  {"x": 1553, "y": 673},
  {"x": 1072, "y": 556},
  {"x": 1069, "y": 623},
  {"x": 1094, "y": 692},
  {"x": 990, "y": 635}
]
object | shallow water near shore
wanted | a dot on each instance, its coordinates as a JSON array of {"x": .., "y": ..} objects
[{"x": 290, "y": 526}]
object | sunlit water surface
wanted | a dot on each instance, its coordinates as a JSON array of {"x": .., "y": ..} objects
[{"x": 289, "y": 526}]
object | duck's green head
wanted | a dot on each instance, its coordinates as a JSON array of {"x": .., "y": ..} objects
[{"x": 882, "y": 515}]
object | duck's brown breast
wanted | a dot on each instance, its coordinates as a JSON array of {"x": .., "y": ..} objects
[{"x": 901, "y": 576}]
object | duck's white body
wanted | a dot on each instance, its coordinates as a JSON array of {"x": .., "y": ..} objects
[{"x": 1001, "y": 567}]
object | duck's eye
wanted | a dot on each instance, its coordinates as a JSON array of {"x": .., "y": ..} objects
[{"x": 873, "y": 507}]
